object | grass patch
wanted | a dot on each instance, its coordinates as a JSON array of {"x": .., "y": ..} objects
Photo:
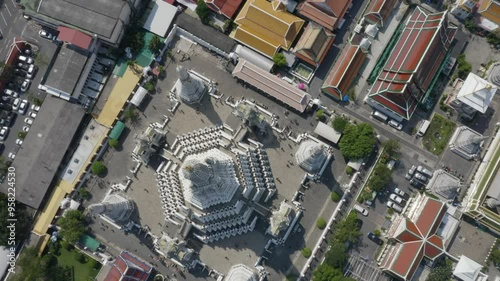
[
  {"x": 82, "y": 271},
  {"x": 438, "y": 134}
]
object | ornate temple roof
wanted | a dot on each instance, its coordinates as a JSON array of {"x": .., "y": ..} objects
[
  {"x": 311, "y": 156},
  {"x": 189, "y": 88}
]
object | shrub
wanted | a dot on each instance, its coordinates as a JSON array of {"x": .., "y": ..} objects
[
  {"x": 335, "y": 197},
  {"x": 155, "y": 44},
  {"x": 93, "y": 263},
  {"x": 320, "y": 115},
  {"x": 390, "y": 211},
  {"x": 279, "y": 59},
  {"x": 98, "y": 168},
  {"x": 66, "y": 245},
  {"x": 79, "y": 257},
  {"x": 349, "y": 170},
  {"x": 150, "y": 87},
  {"x": 22, "y": 135},
  {"x": 376, "y": 232},
  {"x": 321, "y": 223},
  {"x": 340, "y": 123},
  {"x": 306, "y": 252},
  {"x": 113, "y": 143}
]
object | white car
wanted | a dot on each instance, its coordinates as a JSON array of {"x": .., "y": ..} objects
[
  {"x": 396, "y": 198},
  {"x": 35, "y": 107},
  {"x": 32, "y": 114},
  {"x": 23, "y": 107},
  {"x": 394, "y": 206},
  {"x": 396, "y": 125},
  {"x": 16, "y": 104},
  {"x": 11, "y": 93},
  {"x": 31, "y": 71},
  {"x": 45, "y": 34},
  {"x": 12, "y": 155},
  {"x": 399, "y": 192},
  {"x": 4, "y": 131},
  {"x": 26, "y": 129},
  {"x": 28, "y": 121},
  {"x": 25, "y": 85},
  {"x": 425, "y": 172},
  {"x": 19, "y": 142}
]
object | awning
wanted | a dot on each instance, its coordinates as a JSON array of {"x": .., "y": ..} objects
[
  {"x": 327, "y": 132},
  {"x": 74, "y": 37},
  {"x": 138, "y": 96},
  {"x": 117, "y": 130}
]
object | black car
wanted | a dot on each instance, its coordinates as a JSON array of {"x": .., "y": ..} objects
[
  {"x": 8, "y": 99},
  {"x": 5, "y": 106},
  {"x": 417, "y": 184},
  {"x": 21, "y": 73},
  {"x": 375, "y": 239}
]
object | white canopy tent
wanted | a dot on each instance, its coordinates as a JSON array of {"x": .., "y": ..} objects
[
  {"x": 327, "y": 132},
  {"x": 138, "y": 96}
]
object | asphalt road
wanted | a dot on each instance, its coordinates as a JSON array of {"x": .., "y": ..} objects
[{"x": 11, "y": 25}]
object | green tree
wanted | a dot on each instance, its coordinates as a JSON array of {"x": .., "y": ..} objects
[
  {"x": 358, "y": 141},
  {"x": 339, "y": 123},
  {"x": 321, "y": 223},
  {"x": 335, "y": 197},
  {"x": 22, "y": 135},
  {"x": 150, "y": 87},
  {"x": 84, "y": 193},
  {"x": 347, "y": 230},
  {"x": 4, "y": 166},
  {"x": 391, "y": 147},
  {"x": 6, "y": 72},
  {"x": 306, "y": 252},
  {"x": 380, "y": 177},
  {"x": 336, "y": 257},
  {"x": 81, "y": 258},
  {"x": 155, "y": 44},
  {"x": 376, "y": 232},
  {"x": 203, "y": 11},
  {"x": 279, "y": 59},
  {"x": 113, "y": 143},
  {"x": 33, "y": 267},
  {"x": 495, "y": 256},
  {"x": 320, "y": 115},
  {"x": 94, "y": 263},
  {"x": 441, "y": 272},
  {"x": 464, "y": 67},
  {"x": 349, "y": 170},
  {"x": 23, "y": 224},
  {"x": 325, "y": 272},
  {"x": 72, "y": 226},
  {"x": 98, "y": 168}
]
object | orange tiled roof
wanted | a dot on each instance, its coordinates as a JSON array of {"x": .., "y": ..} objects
[
  {"x": 314, "y": 44},
  {"x": 327, "y": 13},
  {"x": 490, "y": 9}
]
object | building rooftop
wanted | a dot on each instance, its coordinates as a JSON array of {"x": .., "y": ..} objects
[
  {"x": 444, "y": 184},
  {"x": 44, "y": 148},
  {"x": 106, "y": 18},
  {"x": 240, "y": 272},
  {"x": 378, "y": 11},
  {"x": 272, "y": 85},
  {"x": 205, "y": 32},
  {"x": 477, "y": 92},
  {"x": 314, "y": 44},
  {"x": 326, "y": 13},
  {"x": 468, "y": 270},
  {"x": 415, "y": 237},
  {"x": 66, "y": 71},
  {"x": 466, "y": 142},
  {"x": 414, "y": 60},
  {"x": 160, "y": 18},
  {"x": 490, "y": 10},
  {"x": 129, "y": 267},
  {"x": 344, "y": 71},
  {"x": 311, "y": 156},
  {"x": 224, "y": 7},
  {"x": 74, "y": 37},
  {"x": 266, "y": 26}
]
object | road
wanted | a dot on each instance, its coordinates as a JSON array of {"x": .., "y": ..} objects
[{"x": 11, "y": 25}]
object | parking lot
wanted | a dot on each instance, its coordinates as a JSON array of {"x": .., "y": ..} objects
[{"x": 36, "y": 57}]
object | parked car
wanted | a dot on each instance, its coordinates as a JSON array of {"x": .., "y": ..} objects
[
  {"x": 8, "y": 99},
  {"x": 24, "y": 66},
  {"x": 394, "y": 206},
  {"x": 28, "y": 52},
  {"x": 375, "y": 238},
  {"x": 12, "y": 155},
  {"x": 45, "y": 34},
  {"x": 35, "y": 107},
  {"x": 25, "y": 85},
  {"x": 399, "y": 192},
  {"x": 410, "y": 173},
  {"x": 11, "y": 93},
  {"x": 26, "y": 128},
  {"x": 417, "y": 184},
  {"x": 25, "y": 59},
  {"x": 4, "y": 131},
  {"x": 5, "y": 106},
  {"x": 360, "y": 210},
  {"x": 421, "y": 177},
  {"x": 31, "y": 71},
  {"x": 396, "y": 198},
  {"x": 16, "y": 104},
  {"x": 19, "y": 142},
  {"x": 396, "y": 125},
  {"x": 391, "y": 164},
  {"x": 32, "y": 114},
  {"x": 28, "y": 121},
  {"x": 23, "y": 107},
  {"x": 425, "y": 172},
  {"x": 20, "y": 73}
]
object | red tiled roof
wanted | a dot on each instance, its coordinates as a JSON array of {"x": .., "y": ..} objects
[
  {"x": 324, "y": 12},
  {"x": 128, "y": 267},
  {"x": 225, "y": 7},
  {"x": 74, "y": 37},
  {"x": 413, "y": 62},
  {"x": 379, "y": 10},
  {"x": 416, "y": 240},
  {"x": 344, "y": 71}
]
